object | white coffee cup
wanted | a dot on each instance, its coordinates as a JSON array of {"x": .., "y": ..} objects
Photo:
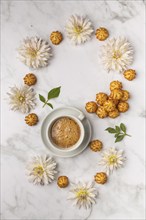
[{"x": 78, "y": 120}]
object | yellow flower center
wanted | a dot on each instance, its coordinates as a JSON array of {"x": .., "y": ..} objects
[
  {"x": 112, "y": 159},
  {"x": 31, "y": 52},
  {"x": 116, "y": 54},
  {"x": 78, "y": 29},
  {"x": 38, "y": 171},
  {"x": 21, "y": 98},
  {"x": 82, "y": 194}
]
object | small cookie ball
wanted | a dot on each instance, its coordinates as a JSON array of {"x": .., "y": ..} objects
[
  {"x": 62, "y": 181},
  {"x": 101, "y": 98},
  {"x": 31, "y": 119},
  {"x": 30, "y": 79},
  {"x": 56, "y": 37},
  {"x": 116, "y": 94},
  {"x": 95, "y": 145},
  {"x": 114, "y": 113},
  {"x": 126, "y": 95},
  {"x": 102, "y": 33},
  {"x": 109, "y": 105},
  {"x": 115, "y": 85},
  {"x": 116, "y": 101},
  {"x": 130, "y": 74},
  {"x": 101, "y": 113},
  {"x": 91, "y": 107},
  {"x": 100, "y": 178},
  {"x": 123, "y": 106}
]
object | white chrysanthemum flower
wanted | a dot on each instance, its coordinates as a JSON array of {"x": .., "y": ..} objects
[
  {"x": 112, "y": 159},
  {"x": 79, "y": 29},
  {"x": 83, "y": 194},
  {"x": 22, "y": 99},
  {"x": 117, "y": 54},
  {"x": 41, "y": 170},
  {"x": 35, "y": 52}
]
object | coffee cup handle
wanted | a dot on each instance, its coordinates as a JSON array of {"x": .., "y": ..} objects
[{"x": 81, "y": 116}]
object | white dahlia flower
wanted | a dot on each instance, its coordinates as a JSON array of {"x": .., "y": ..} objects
[
  {"x": 35, "y": 52},
  {"x": 112, "y": 159},
  {"x": 41, "y": 170},
  {"x": 117, "y": 54},
  {"x": 22, "y": 99},
  {"x": 79, "y": 29},
  {"x": 83, "y": 194}
]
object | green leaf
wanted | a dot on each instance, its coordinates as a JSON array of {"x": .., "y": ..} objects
[
  {"x": 123, "y": 127},
  {"x": 117, "y": 129},
  {"x": 111, "y": 130},
  {"x": 54, "y": 93},
  {"x": 119, "y": 138},
  {"x": 49, "y": 104},
  {"x": 116, "y": 135},
  {"x": 42, "y": 99}
]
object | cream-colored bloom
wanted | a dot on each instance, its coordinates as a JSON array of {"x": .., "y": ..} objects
[
  {"x": 117, "y": 54},
  {"x": 35, "y": 52},
  {"x": 79, "y": 29},
  {"x": 83, "y": 194},
  {"x": 22, "y": 99},
  {"x": 112, "y": 159},
  {"x": 41, "y": 170}
]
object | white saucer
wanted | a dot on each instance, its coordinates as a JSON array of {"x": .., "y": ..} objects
[{"x": 61, "y": 112}]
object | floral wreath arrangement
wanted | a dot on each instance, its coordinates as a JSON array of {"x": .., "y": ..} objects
[{"x": 116, "y": 55}]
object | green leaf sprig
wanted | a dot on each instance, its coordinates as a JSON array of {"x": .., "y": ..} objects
[
  {"x": 53, "y": 93},
  {"x": 119, "y": 131}
]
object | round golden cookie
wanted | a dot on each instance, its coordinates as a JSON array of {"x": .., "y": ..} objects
[
  {"x": 115, "y": 85},
  {"x": 91, "y": 107},
  {"x": 101, "y": 112},
  {"x": 123, "y": 106},
  {"x": 62, "y": 181},
  {"x": 126, "y": 95},
  {"x": 31, "y": 119},
  {"x": 116, "y": 94},
  {"x": 95, "y": 145},
  {"x": 102, "y": 33},
  {"x": 101, "y": 98},
  {"x": 30, "y": 79},
  {"x": 129, "y": 74},
  {"x": 56, "y": 37},
  {"x": 109, "y": 105},
  {"x": 114, "y": 114},
  {"x": 100, "y": 178}
]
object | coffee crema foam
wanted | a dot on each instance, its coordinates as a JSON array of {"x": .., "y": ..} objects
[{"x": 65, "y": 132}]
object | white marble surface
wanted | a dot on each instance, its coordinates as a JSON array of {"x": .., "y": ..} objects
[{"x": 78, "y": 72}]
